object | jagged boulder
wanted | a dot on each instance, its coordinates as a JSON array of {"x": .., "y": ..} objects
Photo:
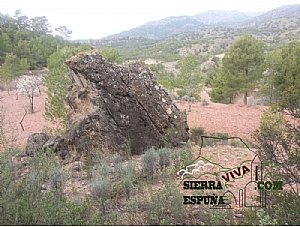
[
  {"x": 58, "y": 145},
  {"x": 40, "y": 142},
  {"x": 35, "y": 143},
  {"x": 114, "y": 108}
]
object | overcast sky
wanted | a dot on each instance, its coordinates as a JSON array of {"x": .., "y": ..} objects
[{"x": 98, "y": 18}]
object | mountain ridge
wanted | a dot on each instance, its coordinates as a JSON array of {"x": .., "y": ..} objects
[
  {"x": 286, "y": 11},
  {"x": 162, "y": 28},
  {"x": 212, "y": 18},
  {"x": 172, "y": 46}
]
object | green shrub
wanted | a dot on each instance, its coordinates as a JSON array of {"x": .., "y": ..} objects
[
  {"x": 196, "y": 134},
  {"x": 23, "y": 201},
  {"x": 284, "y": 208},
  {"x": 264, "y": 219},
  {"x": 119, "y": 169},
  {"x": 216, "y": 138},
  {"x": 215, "y": 217},
  {"x": 133, "y": 214},
  {"x": 129, "y": 169},
  {"x": 102, "y": 169},
  {"x": 149, "y": 161},
  {"x": 100, "y": 190},
  {"x": 181, "y": 93},
  {"x": 183, "y": 158},
  {"x": 126, "y": 170},
  {"x": 57, "y": 179},
  {"x": 128, "y": 185},
  {"x": 116, "y": 159},
  {"x": 220, "y": 135},
  {"x": 166, "y": 207},
  {"x": 164, "y": 157}
]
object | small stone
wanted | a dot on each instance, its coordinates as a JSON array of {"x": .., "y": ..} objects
[
  {"x": 238, "y": 215},
  {"x": 76, "y": 167},
  {"x": 25, "y": 159},
  {"x": 195, "y": 212},
  {"x": 226, "y": 159},
  {"x": 44, "y": 187},
  {"x": 169, "y": 111},
  {"x": 112, "y": 164},
  {"x": 83, "y": 183}
]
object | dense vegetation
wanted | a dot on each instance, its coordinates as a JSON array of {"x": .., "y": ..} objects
[{"x": 26, "y": 44}]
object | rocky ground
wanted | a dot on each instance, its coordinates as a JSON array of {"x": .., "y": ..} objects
[{"x": 233, "y": 119}]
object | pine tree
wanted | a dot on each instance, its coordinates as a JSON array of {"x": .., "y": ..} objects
[
  {"x": 189, "y": 77},
  {"x": 286, "y": 78},
  {"x": 242, "y": 66}
]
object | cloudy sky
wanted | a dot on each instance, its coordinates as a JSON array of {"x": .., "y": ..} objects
[{"x": 98, "y": 18}]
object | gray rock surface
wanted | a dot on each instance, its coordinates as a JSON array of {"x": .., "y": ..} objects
[
  {"x": 58, "y": 145},
  {"x": 116, "y": 108},
  {"x": 40, "y": 142},
  {"x": 35, "y": 143}
]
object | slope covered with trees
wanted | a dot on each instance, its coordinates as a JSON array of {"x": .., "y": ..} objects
[{"x": 26, "y": 43}]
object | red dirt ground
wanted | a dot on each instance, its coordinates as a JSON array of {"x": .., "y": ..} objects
[
  {"x": 14, "y": 110},
  {"x": 214, "y": 117},
  {"x": 233, "y": 119}
]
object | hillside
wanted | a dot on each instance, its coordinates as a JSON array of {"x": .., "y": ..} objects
[
  {"x": 217, "y": 31},
  {"x": 215, "y": 18},
  {"x": 170, "y": 26},
  {"x": 163, "y": 28},
  {"x": 288, "y": 11}
]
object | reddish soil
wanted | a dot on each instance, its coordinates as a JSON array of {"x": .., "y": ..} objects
[
  {"x": 233, "y": 119},
  {"x": 214, "y": 117},
  {"x": 14, "y": 110}
]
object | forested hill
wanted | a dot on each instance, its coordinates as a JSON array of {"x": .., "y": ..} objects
[
  {"x": 26, "y": 43},
  {"x": 30, "y": 38}
]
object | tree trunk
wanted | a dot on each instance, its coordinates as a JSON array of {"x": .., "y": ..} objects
[
  {"x": 31, "y": 105},
  {"x": 31, "y": 102},
  {"x": 245, "y": 98}
]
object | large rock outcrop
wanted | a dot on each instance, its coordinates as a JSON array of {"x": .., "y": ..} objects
[{"x": 116, "y": 108}]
